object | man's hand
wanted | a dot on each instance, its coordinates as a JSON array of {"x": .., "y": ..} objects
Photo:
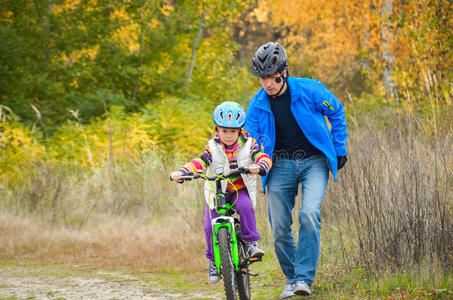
[
  {"x": 341, "y": 161},
  {"x": 175, "y": 176},
  {"x": 254, "y": 168},
  {"x": 257, "y": 169}
]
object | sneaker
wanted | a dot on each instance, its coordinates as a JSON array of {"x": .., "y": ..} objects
[
  {"x": 301, "y": 288},
  {"x": 288, "y": 291},
  {"x": 213, "y": 274},
  {"x": 253, "y": 250}
]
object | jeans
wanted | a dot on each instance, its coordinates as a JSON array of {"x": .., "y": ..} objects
[
  {"x": 246, "y": 212},
  {"x": 297, "y": 263}
]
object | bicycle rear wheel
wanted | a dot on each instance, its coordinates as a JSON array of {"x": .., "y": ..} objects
[
  {"x": 243, "y": 277},
  {"x": 228, "y": 268}
]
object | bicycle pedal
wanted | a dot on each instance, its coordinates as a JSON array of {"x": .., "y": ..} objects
[
  {"x": 255, "y": 259},
  {"x": 247, "y": 273}
]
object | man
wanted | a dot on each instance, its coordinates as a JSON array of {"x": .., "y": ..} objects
[{"x": 287, "y": 116}]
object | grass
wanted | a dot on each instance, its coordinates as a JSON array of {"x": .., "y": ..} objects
[
  {"x": 187, "y": 273},
  {"x": 118, "y": 241},
  {"x": 387, "y": 229}
]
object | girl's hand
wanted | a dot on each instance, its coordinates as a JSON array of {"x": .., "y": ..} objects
[
  {"x": 254, "y": 168},
  {"x": 175, "y": 176}
]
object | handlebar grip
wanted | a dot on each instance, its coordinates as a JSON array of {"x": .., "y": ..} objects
[
  {"x": 185, "y": 177},
  {"x": 189, "y": 176},
  {"x": 244, "y": 170}
]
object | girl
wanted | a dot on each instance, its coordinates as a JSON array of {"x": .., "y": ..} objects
[{"x": 231, "y": 147}]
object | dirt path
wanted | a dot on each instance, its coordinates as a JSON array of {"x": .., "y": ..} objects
[{"x": 24, "y": 282}]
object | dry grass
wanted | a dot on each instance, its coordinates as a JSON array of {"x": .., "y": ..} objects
[
  {"x": 392, "y": 207},
  {"x": 394, "y": 198},
  {"x": 116, "y": 241}
]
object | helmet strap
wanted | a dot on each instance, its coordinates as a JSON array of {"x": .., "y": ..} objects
[
  {"x": 283, "y": 85},
  {"x": 234, "y": 146}
]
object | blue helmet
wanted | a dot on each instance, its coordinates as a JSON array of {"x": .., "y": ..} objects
[{"x": 230, "y": 115}]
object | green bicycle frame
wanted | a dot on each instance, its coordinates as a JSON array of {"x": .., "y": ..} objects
[{"x": 228, "y": 222}]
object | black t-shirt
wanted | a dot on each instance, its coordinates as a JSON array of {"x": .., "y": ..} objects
[{"x": 290, "y": 141}]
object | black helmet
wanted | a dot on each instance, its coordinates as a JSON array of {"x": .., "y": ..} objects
[{"x": 268, "y": 59}]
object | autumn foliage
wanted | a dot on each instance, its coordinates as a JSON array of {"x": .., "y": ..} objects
[
  {"x": 348, "y": 44},
  {"x": 100, "y": 100}
]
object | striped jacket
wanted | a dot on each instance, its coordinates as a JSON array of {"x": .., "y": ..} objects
[{"x": 215, "y": 153}]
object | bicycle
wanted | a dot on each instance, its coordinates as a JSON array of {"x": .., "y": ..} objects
[{"x": 230, "y": 254}]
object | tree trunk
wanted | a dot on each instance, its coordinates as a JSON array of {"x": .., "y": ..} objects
[
  {"x": 244, "y": 67},
  {"x": 140, "y": 61},
  {"x": 387, "y": 55},
  {"x": 47, "y": 50},
  {"x": 194, "y": 51}
]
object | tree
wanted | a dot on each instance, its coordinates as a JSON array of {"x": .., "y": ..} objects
[
  {"x": 381, "y": 46},
  {"x": 387, "y": 54},
  {"x": 75, "y": 54},
  {"x": 334, "y": 41}
]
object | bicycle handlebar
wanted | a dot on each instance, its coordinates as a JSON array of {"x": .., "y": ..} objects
[{"x": 226, "y": 175}]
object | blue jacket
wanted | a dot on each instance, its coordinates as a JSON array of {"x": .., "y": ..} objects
[{"x": 310, "y": 102}]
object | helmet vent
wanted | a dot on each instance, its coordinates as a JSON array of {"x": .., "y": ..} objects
[
  {"x": 268, "y": 59},
  {"x": 229, "y": 115}
]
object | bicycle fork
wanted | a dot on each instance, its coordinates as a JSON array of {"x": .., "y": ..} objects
[{"x": 228, "y": 222}]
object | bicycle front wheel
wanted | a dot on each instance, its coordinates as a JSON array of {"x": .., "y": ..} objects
[
  {"x": 243, "y": 277},
  {"x": 228, "y": 268}
]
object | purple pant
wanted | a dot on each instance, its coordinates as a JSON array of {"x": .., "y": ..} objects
[{"x": 246, "y": 212}]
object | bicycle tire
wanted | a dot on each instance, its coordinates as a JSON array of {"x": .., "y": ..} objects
[
  {"x": 228, "y": 268},
  {"x": 243, "y": 277}
]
